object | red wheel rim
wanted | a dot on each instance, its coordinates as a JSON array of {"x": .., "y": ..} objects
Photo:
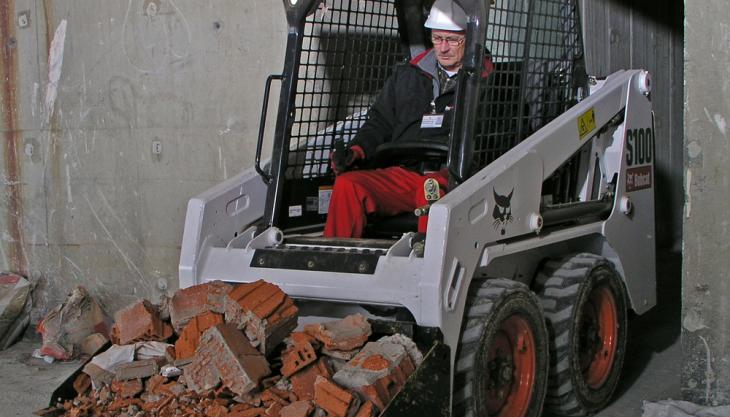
[
  {"x": 599, "y": 336},
  {"x": 511, "y": 366}
]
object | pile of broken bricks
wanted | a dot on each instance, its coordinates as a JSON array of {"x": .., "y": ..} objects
[{"x": 236, "y": 354}]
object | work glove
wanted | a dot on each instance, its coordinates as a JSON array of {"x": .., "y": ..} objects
[{"x": 343, "y": 158}]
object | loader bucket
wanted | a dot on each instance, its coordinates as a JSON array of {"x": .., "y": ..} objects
[{"x": 427, "y": 391}]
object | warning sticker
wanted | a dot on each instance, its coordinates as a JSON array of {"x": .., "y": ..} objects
[
  {"x": 325, "y": 193},
  {"x": 295, "y": 211},
  {"x": 586, "y": 123}
]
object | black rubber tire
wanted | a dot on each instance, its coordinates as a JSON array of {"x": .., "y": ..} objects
[
  {"x": 564, "y": 288},
  {"x": 490, "y": 303}
]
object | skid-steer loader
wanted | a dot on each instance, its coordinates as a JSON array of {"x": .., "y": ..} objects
[{"x": 519, "y": 290}]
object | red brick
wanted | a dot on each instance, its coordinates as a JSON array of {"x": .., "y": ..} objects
[
  {"x": 139, "y": 322},
  {"x": 336, "y": 401},
  {"x": 127, "y": 389},
  {"x": 190, "y": 336},
  {"x": 93, "y": 342},
  {"x": 266, "y": 314},
  {"x": 82, "y": 383},
  {"x": 303, "y": 381},
  {"x": 121, "y": 403},
  {"x": 378, "y": 372},
  {"x": 192, "y": 301},
  {"x": 241, "y": 407},
  {"x": 274, "y": 410},
  {"x": 297, "y": 409},
  {"x": 272, "y": 395},
  {"x": 366, "y": 410},
  {"x": 296, "y": 338},
  {"x": 137, "y": 369},
  {"x": 225, "y": 355},
  {"x": 344, "y": 355},
  {"x": 347, "y": 334},
  {"x": 98, "y": 375},
  {"x": 173, "y": 388},
  {"x": 297, "y": 357},
  {"x": 253, "y": 412},
  {"x": 216, "y": 410},
  {"x": 153, "y": 384}
]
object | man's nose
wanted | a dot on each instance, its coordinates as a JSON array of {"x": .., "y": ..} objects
[{"x": 444, "y": 47}]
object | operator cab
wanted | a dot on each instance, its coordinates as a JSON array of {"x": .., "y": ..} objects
[{"x": 345, "y": 52}]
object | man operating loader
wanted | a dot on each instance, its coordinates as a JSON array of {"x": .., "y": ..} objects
[{"x": 416, "y": 104}]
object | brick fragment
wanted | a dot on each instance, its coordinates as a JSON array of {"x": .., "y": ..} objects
[
  {"x": 336, "y": 401},
  {"x": 153, "y": 384},
  {"x": 121, "y": 403},
  {"x": 297, "y": 357},
  {"x": 92, "y": 343},
  {"x": 347, "y": 334},
  {"x": 252, "y": 412},
  {"x": 137, "y": 369},
  {"x": 263, "y": 311},
  {"x": 82, "y": 383},
  {"x": 273, "y": 395},
  {"x": 216, "y": 410},
  {"x": 274, "y": 410},
  {"x": 345, "y": 355},
  {"x": 190, "y": 335},
  {"x": 303, "y": 381},
  {"x": 298, "y": 409},
  {"x": 99, "y": 376},
  {"x": 139, "y": 322},
  {"x": 366, "y": 410},
  {"x": 241, "y": 407},
  {"x": 127, "y": 389},
  {"x": 302, "y": 337},
  {"x": 225, "y": 355},
  {"x": 192, "y": 301},
  {"x": 378, "y": 372}
]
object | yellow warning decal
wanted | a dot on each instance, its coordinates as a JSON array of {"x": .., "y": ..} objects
[{"x": 586, "y": 123}]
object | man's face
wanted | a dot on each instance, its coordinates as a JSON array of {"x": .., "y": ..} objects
[{"x": 449, "y": 47}]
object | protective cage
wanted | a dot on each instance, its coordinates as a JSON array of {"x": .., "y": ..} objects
[{"x": 348, "y": 48}]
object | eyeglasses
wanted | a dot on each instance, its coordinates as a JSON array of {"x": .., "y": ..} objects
[{"x": 451, "y": 40}]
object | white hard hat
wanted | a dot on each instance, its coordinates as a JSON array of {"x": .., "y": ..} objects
[{"x": 446, "y": 15}]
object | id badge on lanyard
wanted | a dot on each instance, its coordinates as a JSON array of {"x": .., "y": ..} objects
[{"x": 432, "y": 120}]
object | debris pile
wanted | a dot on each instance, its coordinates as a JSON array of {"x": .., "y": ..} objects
[
  {"x": 15, "y": 303},
  {"x": 235, "y": 353},
  {"x": 74, "y": 327}
]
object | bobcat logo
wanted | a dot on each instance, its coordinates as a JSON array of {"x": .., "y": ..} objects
[{"x": 502, "y": 212}]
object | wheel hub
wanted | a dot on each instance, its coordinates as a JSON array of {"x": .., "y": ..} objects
[
  {"x": 511, "y": 369},
  {"x": 598, "y": 337}
]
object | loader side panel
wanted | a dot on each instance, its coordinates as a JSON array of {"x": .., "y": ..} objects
[{"x": 217, "y": 216}]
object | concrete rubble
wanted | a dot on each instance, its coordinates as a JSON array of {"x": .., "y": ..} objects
[
  {"x": 231, "y": 351},
  {"x": 65, "y": 328}
]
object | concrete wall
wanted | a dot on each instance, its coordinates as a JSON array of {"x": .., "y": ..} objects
[
  {"x": 621, "y": 34},
  {"x": 706, "y": 260},
  {"x": 87, "y": 88}
]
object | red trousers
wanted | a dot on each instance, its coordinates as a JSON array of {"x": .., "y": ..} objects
[{"x": 387, "y": 191}]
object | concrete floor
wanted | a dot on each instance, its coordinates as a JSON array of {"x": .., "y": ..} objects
[
  {"x": 651, "y": 371},
  {"x": 654, "y": 354}
]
